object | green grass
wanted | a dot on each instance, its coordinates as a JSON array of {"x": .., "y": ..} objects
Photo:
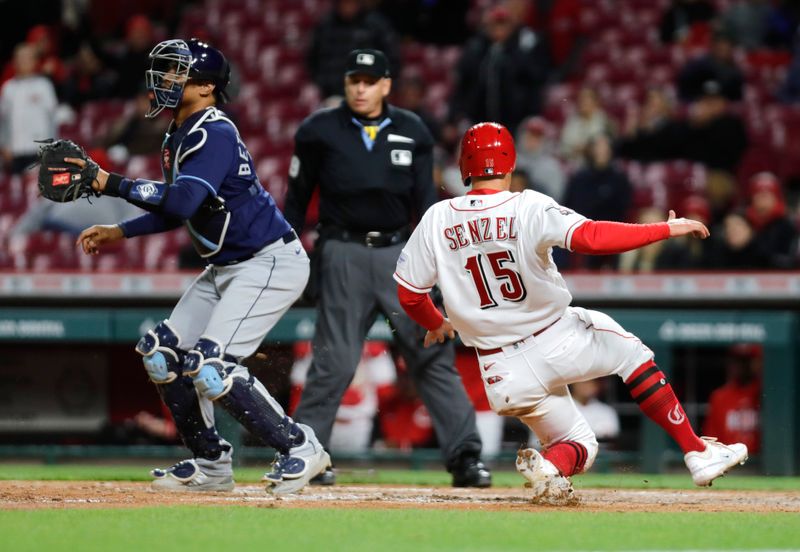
[
  {"x": 83, "y": 472},
  {"x": 239, "y": 528}
]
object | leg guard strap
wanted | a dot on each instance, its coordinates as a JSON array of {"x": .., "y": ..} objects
[{"x": 248, "y": 402}]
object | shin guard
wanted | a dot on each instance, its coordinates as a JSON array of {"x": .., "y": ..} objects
[
  {"x": 163, "y": 361},
  {"x": 250, "y": 403}
]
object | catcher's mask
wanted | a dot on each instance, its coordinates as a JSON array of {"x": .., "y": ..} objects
[
  {"x": 174, "y": 62},
  {"x": 487, "y": 149}
]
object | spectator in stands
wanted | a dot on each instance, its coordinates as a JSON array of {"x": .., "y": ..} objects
[
  {"x": 49, "y": 63},
  {"x": 755, "y": 24},
  {"x": 645, "y": 258},
  {"x": 683, "y": 253},
  {"x": 535, "y": 157},
  {"x": 735, "y": 248},
  {"x": 411, "y": 96},
  {"x": 87, "y": 78},
  {"x": 134, "y": 134},
  {"x": 602, "y": 418},
  {"x": 133, "y": 60},
  {"x": 588, "y": 120},
  {"x": 717, "y": 65},
  {"x": 747, "y": 22},
  {"x": 716, "y": 136},
  {"x": 734, "y": 408},
  {"x": 712, "y": 135},
  {"x": 348, "y": 26},
  {"x": 502, "y": 72},
  {"x": 27, "y": 111},
  {"x": 657, "y": 111},
  {"x": 684, "y": 19},
  {"x": 600, "y": 191},
  {"x": 790, "y": 91},
  {"x": 775, "y": 234}
]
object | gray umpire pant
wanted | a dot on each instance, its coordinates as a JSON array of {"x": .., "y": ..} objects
[{"x": 355, "y": 284}]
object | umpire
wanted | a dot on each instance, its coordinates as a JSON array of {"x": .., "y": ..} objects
[{"x": 373, "y": 163}]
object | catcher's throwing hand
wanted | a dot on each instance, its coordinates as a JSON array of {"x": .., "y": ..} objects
[
  {"x": 66, "y": 173},
  {"x": 440, "y": 334},
  {"x": 684, "y": 226},
  {"x": 93, "y": 237}
]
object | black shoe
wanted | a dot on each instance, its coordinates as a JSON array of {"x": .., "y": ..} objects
[
  {"x": 471, "y": 472},
  {"x": 326, "y": 478}
]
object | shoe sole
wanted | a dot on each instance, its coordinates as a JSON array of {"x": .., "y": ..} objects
[
  {"x": 178, "y": 487},
  {"x": 289, "y": 486},
  {"x": 726, "y": 469}
]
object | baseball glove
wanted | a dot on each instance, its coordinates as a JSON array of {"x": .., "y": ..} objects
[{"x": 60, "y": 181}]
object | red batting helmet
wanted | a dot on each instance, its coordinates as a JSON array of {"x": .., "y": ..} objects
[{"x": 487, "y": 149}]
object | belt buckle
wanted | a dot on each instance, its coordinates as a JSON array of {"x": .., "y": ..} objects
[{"x": 371, "y": 238}]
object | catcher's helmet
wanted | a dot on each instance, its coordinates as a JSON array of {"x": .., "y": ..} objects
[
  {"x": 173, "y": 62},
  {"x": 487, "y": 149}
]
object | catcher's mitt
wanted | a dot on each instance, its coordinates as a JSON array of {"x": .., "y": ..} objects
[{"x": 61, "y": 181}]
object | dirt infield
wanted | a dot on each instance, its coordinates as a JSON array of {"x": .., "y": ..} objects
[{"x": 93, "y": 494}]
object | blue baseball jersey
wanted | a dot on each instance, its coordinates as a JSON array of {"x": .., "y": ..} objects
[{"x": 211, "y": 187}]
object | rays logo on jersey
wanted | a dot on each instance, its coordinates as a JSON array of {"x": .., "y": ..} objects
[{"x": 146, "y": 190}]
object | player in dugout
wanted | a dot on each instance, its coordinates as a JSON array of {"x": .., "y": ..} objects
[{"x": 491, "y": 253}]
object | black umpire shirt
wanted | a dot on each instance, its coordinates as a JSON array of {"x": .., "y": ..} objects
[{"x": 361, "y": 190}]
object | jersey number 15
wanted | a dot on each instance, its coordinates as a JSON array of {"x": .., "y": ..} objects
[{"x": 511, "y": 288}]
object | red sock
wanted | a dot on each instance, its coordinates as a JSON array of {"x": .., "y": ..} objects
[
  {"x": 568, "y": 457},
  {"x": 649, "y": 388}
]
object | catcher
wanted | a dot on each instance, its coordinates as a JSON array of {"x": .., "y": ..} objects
[{"x": 257, "y": 269}]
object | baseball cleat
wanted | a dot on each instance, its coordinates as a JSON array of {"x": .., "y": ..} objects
[
  {"x": 547, "y": 483},
  {"x": 471, "y": 472},
  {"x": 186, "y": 475},
  {"x": 325, "y": 478},
  {"x": 293, "y": 471},
  {"x": 715, "y": 461}
]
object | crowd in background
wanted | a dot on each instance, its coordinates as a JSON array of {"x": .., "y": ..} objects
[{"x": 511, "y": 55}]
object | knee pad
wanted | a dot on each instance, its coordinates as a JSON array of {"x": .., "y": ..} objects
[
  {"x": 160, "y": 353},
  {"x": 206, "y": 364}
]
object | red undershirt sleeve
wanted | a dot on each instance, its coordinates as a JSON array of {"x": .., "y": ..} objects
[
  {"x": 600, "y": 237},
  {"x": 420, "y": 308}
]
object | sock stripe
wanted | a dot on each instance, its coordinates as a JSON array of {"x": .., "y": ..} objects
[
  {"x": 645, "y": 385},
  {"x": 581, "y": 455},
  {"x": 665, "y": 400},
  {"x": 577, "y": 455},
  {"x": 661, "y": 383},
  {"x": 641, "y": 377}
]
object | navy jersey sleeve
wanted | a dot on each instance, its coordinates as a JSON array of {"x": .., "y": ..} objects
[
  {"x": 424, "y": 189},
  {"x": 303, "y": 174},
  {"x": 149, "y": 223},
  {"x": 204, "y": 159}
]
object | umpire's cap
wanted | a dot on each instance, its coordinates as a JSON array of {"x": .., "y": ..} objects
[{"x": 367, "y": 62}]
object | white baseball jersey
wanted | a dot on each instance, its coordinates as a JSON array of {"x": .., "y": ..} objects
[{"x": 492, "y": 256}]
